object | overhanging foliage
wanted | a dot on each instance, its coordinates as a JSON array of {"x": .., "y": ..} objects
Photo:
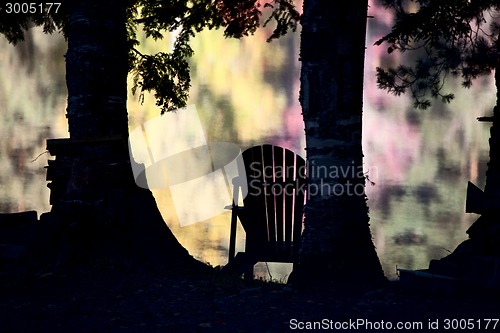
[
  {"x": 167, "y": 74},
  {"x": 457, "y": 37}
]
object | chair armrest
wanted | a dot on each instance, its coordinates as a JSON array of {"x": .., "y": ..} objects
[{"x": 232, "y": 207}]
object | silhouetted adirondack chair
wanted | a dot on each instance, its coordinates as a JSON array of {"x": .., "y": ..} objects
[{"x": 271, "y": 214}]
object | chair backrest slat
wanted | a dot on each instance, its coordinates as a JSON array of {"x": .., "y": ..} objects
[
  {"x": 254, "y": 220},
  {"x": 267, "y": 159},
  {"x": 299, "y": 200},
  {"x": 279, "y": 199},
  {"x": 290, "y": 176}
]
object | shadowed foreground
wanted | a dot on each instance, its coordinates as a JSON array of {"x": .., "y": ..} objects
[{"x": 115, "y": 302}]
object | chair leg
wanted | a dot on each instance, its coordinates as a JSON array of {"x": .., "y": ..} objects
[{"x": 232, "y": 235}]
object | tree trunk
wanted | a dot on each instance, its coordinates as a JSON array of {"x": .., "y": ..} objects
[
  {"x": 99, "y": 215},
  {"x": 96, "y": 69},
  {"x": 337, "y": 244}
]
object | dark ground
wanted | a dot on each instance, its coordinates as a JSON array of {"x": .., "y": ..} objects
[{"x": 133, "y": 302}]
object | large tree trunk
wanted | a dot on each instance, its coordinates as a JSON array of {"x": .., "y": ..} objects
[
  {"x": 96, "y": 69},
  {"x": 99, "y": 215},
  {"x": 337, "y": 244}
]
